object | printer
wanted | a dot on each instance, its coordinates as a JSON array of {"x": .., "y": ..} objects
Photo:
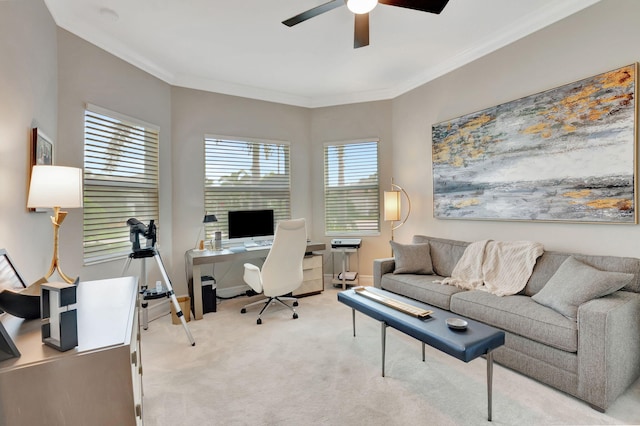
[{"x": 346, "y": 242}]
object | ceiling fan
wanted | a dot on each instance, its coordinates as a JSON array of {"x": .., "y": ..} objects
[{"x": 361, "y": 9}]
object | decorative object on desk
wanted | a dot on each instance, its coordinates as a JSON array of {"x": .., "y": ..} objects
[
  {"x": 393, "y": 206},
  {"x": 217, "y": 241},
  {"x": 60, "y": 323},
  {"x": 57, "y": 187},
  {"x": 566, "y": 154},
  {"x": 456, "y": 323},
  {"x": 41, "y": 154},
  {"x": 8, "y": 349},
  {"x": 15, "y": 297},
  {"x": 208, "y": 218}
]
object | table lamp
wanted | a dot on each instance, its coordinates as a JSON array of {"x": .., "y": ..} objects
[
  {"x": 208, "y": 218},
  {"x": 55, "y": 187},
  {"x": 393, "y": 206}
]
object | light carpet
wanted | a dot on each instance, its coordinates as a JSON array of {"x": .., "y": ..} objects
[{"x": 312, "y": 371}]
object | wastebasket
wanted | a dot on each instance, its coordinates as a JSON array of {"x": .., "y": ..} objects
[{"x": 185, "y": 307}]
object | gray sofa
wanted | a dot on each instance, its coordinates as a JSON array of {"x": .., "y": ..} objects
[{"x": 594, "y": 357}]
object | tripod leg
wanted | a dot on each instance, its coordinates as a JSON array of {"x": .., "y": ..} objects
[{"x": 173, "y": 298}]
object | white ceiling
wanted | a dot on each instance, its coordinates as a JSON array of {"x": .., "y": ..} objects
[{"x": 240, "y": 47}]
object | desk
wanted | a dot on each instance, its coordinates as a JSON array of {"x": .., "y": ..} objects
[{"x": 197, "y": 258}]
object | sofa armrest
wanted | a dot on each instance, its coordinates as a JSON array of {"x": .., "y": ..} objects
[
  {"x": 608, "y": 347},
  {"x": 381, "y": 267}
]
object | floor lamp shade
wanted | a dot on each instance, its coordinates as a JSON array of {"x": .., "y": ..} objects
[
  {"x": 392, "y": 205},
  {"x": 55, "y": 186}
]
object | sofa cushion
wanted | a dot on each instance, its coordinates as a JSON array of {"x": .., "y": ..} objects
[
  {"x": 411, "y": 258},
  {"x": 575, "y": 283},
  {"x": 519, "y": 315},
  {"x": 420, "y": 287},
  {"x": 550, "y": 261},
  {"x": 444, "y": 253}
]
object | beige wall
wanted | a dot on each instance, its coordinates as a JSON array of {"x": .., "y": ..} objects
[
  {"x": 28, "y": 98},
  {"x": 346, "y": 123},
  {"x": 601, "y": 38},
  {"x": 47, "y": 75},
  {"x": 91, "y": 75},
  {"x": 196, "y": 113}
]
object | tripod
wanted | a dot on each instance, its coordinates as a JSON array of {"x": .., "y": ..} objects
[{"x": 146, "y": 295}]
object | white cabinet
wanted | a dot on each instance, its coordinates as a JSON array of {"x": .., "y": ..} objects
[
  {"x": 99, "y": 382},
  {"x": 312, "y": 283}
]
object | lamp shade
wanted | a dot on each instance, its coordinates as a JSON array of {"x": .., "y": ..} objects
[
  {"x": 392, "y": 205},
  {"x": 208, "y": 218},
  {"x": 55, "y": 186},
  {"x": 361, "y": 6}
]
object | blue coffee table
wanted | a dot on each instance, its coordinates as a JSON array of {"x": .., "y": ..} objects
[{"x": 475, "y": 340}]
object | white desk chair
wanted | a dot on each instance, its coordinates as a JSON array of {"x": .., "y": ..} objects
[{"x": 282, "y": 269}]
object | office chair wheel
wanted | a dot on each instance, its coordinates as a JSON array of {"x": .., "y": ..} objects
[
  {"x": 243, "y": 311},
  {"x": 259, "y": 321},
  {"x": 295, "y": 303},
  {"x": 295, "y": 315}
]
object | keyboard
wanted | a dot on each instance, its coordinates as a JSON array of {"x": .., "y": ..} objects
[{"x": 256, "y": 245}]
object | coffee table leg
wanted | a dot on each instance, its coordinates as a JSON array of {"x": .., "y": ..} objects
[
  {"x": 489, "y": 380},
  {"x": 353, "y": 318},
  {"x": 422, "y": 351},
  {"x": 384, "y": 342}
]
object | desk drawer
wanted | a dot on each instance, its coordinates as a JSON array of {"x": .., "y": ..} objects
[
  {"x": 311, "y": 262},
  {"x": 312, "y": 282}
]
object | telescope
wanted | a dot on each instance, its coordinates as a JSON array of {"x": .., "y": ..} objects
[{"x": 137, "y": 228}]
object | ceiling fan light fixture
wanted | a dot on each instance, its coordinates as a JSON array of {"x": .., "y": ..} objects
[{"x": 361, "y": 6}]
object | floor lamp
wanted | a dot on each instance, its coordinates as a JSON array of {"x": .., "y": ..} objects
[
  {"x": 55, "y": 187},
  {"x": 393, "y": 206}
]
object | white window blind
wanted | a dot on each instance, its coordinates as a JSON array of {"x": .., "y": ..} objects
[
  {"x": 351, "y": 188},
  {"x": 120, "y": 181},
  {"x": 245, "y": 175}
]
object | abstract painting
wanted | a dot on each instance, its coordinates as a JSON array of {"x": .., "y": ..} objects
[{"x": 566, "y": 154}]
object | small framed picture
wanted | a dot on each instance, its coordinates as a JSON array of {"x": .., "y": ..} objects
[
  {"x": 41, "y": 153},
  {"x": 42, "y": 148}
]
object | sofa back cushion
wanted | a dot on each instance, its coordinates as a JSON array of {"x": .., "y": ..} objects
[
  {"x": 412, "y": 258},
  {"x": 444, "y": 253},
  {"x": 550, "y": 261}
]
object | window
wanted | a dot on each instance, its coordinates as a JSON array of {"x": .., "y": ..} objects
[
  {"x": 245, "y": 175},
  {"x": 351, "y": 189},
  {"x": 120, "y": 181}
]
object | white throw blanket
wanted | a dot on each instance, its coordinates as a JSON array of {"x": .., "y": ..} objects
[{"x": 499, "y": 267}]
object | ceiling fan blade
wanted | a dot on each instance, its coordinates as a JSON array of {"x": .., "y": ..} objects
[
  {"x": 313, "y": 12},
  {"x": 361, "y": 30},
  {"x": 431, "y": 6}
]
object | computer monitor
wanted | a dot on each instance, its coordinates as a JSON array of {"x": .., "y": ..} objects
[{"x": 250, "y": 223}]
